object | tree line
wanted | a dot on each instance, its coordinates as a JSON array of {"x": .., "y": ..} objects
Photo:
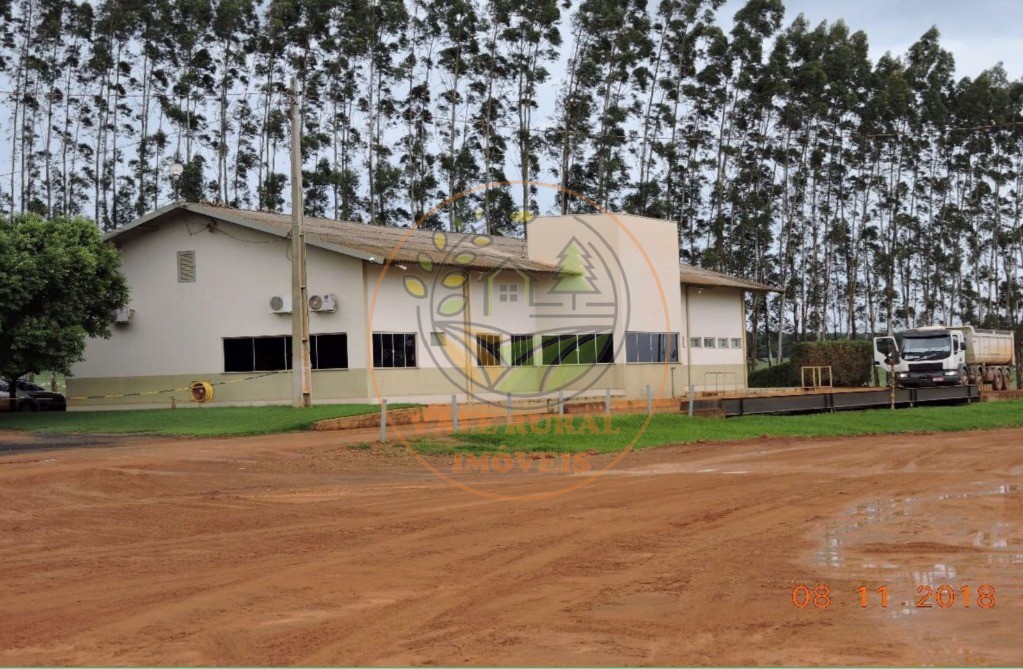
[{"x": 878, "y": 194}]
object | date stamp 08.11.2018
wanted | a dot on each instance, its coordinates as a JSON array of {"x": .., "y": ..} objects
[{"x": 927, "y": 597}]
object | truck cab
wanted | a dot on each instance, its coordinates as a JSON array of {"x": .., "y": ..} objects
[
  {"x": 949, "y": 355},
  {"x": 930, "y": 356}
]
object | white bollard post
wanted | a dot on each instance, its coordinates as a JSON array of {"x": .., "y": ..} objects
[
  {"x": 692, "y": 400},
  {"x": 649, "y": 401},
  {"x": 454, "y": 412},
  {"x": 561, "y": 402},
  {"x": 508, "y": 410},
  {"x": 607, "y": 401},
  {"x": 383, "y": 420}
]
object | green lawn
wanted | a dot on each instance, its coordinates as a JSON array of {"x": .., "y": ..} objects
[
  {"x": 200, "y": 422},
  {"x": 667, "y": 429}
]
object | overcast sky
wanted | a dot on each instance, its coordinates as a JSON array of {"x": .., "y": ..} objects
[{"x": 980, "y": 33}]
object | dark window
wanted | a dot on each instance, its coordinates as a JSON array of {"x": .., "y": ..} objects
[
  {"x": 488, "y": 350},
  {"x": 238, "y": 355},
  {"x": 273, "y": 354},
  {"x": 569, "y": 345},
  {"x": 651, "y": 347},
  {"x": 585, "y": 349},
  {"x": 394, "y": 350},
  {"x": 695, "y": 342},
  {"x": 329, "y": 351},
  {"x": 605, "y": 349},
  {"x": 549, "y": 349},
  {"x": 522, "y": 350}
]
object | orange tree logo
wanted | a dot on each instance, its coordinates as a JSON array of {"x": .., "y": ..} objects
[{"x": 515, "y": 326}]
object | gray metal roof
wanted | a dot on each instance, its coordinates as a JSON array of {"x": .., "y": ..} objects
[
  {"x": 698, "y": 276},
  {"x": 377, "y": 243},
  {"x": 374, "y": 243}
]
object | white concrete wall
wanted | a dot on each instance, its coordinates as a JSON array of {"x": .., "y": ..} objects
[
  {"x": 178, "y": 327},
  {"x": 717, "y": 313},
  {"x": 639, "y": 253}
]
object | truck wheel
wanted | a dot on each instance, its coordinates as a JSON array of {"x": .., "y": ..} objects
[
  {"x": 27, "y": 405},
  {"x": 997, "y": 382}
]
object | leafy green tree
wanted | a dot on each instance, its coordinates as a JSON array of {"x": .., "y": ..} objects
[{"x": 61, "y": 284}]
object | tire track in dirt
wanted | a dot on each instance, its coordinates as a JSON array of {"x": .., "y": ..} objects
[{"x": 314, "y": 554}]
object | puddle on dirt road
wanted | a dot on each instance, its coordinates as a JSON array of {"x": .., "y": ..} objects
[
  {"x": 870, "y": 522},
  {"x": 954, "y": 540}
]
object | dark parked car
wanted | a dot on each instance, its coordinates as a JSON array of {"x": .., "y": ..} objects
[{"x": 31, "y": 397}]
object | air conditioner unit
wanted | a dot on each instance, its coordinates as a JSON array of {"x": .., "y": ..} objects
[
  {"x": 123, "y": 316},
  {"x": 323, "y": 303},
  {"x": 280, "y": 304}
]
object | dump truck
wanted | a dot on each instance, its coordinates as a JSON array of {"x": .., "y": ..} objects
[{"x": 944, "y": 355}]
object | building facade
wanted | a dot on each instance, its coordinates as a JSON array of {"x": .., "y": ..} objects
[{"x": 585, "y": 304}]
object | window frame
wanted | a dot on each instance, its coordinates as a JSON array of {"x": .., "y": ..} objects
[
  {"x": 491, "y": 343},
  {"x": 571, "y": 347},
  {"x": 515, "y": 353},
  {"x": 391, "y": 352},
  {"x": 314, "y": 350},
  {"x": 660, "y": 347},
  {"x": 314, "y": 343}
]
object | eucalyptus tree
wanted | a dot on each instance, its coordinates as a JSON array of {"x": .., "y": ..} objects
[
  {"x": 416, "y": 71},
  {"x": 387, "y": 25},
  {"x": 929, "y": 72},
  {"x": 109, "y": 66},
  {"x": 530, "y": 39},
  {"x": 601, "y": 97},
  {"x": 678, "y": 26},
  {"x": 235, "y": 24},
  {"x": 458, "y": 25}
]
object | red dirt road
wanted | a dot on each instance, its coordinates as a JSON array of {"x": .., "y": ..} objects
[{"x": 299, "y": 550}]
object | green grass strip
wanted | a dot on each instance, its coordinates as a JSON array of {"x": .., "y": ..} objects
[
  {"x": 664, "y": 429},
  {"x": 197, "y": 422}
]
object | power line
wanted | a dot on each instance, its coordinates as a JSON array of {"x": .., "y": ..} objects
[
  {"x": 53, "y": 162},
  {"x": 954, "y": 128}
]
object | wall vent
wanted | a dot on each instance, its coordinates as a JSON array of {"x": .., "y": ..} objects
[{"x": 186, "y": 266}]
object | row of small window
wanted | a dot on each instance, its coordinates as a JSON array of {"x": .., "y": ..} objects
[
  {"x": 573, "y": 349},
  {"x": 398, "y": 350},
  {"x": 712, "y": 342}
]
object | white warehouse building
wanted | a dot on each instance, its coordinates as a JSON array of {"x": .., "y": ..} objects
[{"x": 582, "y": 305}]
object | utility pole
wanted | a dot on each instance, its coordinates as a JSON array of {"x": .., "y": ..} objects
[{"x": 301, "y": 367}]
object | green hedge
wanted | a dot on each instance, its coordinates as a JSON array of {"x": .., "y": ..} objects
[
  {"x": 785, "y": 375},
  {"x": 851, "y": 361}
]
